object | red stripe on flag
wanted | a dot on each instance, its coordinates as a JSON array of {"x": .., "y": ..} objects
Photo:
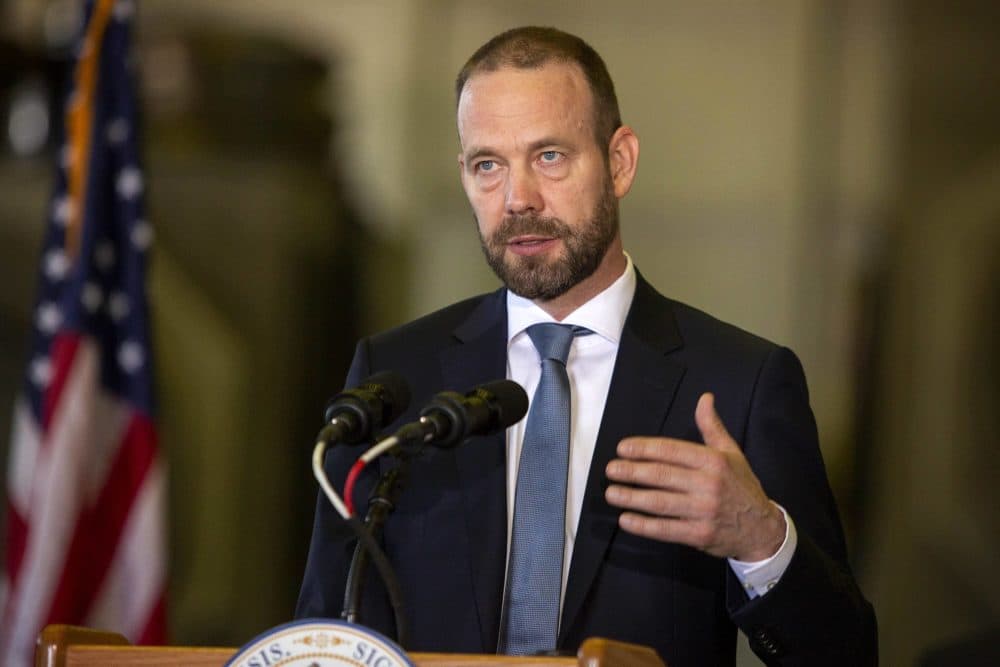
[
  {"x": 17, "y": 540},
  {"x": 62, "y": 353},
  {"x": 99, "y": 527},
  {"x": 155, "y": 632}
]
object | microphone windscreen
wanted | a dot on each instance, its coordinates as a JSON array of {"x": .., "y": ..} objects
[
  {"x": 394, "y": 392},
  {"x": 507, "y": 398},
  {"x": 384, "y": 395}
]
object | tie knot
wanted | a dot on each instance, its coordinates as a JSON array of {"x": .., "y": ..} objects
[{"x": 553, "y": 340}]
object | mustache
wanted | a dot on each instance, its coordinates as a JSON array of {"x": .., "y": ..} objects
[{"x": 518, "y": 225}]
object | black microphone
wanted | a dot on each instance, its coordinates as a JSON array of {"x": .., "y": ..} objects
[
  {"x": 355, "y": 415},
  {"x": 451, "y": 417}
]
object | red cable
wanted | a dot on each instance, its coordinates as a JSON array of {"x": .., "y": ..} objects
[{"x": 352, "y": 477}]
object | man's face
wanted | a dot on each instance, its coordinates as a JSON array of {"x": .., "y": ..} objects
[{"x": 536, "y": 177}]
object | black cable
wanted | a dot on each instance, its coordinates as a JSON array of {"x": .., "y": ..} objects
[
  {"x": 380, "y": 504},
  {"x": 385, "y": 570}
]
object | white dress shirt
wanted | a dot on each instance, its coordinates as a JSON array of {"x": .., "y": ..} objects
[{"x": 589, "y": 366}]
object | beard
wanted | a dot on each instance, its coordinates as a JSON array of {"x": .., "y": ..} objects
[{"x": 536, "y": 277}]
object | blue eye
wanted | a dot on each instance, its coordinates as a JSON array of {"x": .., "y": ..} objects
[
  {"x": 549, "y": 156},
  {"x": 485, "y": 165}
]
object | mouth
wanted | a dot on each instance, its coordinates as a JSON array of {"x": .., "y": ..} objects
[{"x": 530, "y": 244}]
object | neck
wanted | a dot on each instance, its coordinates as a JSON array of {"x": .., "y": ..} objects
[{"x": 608, "y": 271}]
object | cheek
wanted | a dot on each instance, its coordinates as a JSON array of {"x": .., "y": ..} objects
[
  {"x": 576, "y": 204},
  {"x": 488, "y": 209},
  {"x": 590, "y": 197},
  {"x": 577, "y": 194}
]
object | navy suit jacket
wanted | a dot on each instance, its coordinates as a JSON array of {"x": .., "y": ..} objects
[{"x": 447, "y": 537}]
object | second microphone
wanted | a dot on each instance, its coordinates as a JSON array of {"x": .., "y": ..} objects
[{"x": 452, "y": 417}]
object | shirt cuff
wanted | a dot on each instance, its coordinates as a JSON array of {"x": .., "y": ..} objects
[{"x": 758, "y": 577}]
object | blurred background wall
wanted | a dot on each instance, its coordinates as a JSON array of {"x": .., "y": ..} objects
[{"x": 825, "y": 173}]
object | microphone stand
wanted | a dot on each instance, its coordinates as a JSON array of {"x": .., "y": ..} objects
[{"x": 381, "y": 503}]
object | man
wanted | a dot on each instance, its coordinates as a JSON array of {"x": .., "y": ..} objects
[{"x": 692, "y": 500}]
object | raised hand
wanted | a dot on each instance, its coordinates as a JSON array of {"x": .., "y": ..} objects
[{"x": 706, "y": 496}]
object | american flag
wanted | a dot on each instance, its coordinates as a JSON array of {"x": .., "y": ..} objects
[{"x": 86, "y": 486}]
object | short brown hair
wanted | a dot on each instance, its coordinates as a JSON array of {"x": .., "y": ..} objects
[{"x": 531, "y": 47}]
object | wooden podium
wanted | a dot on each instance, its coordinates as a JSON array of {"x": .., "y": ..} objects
[{"x": 72, "y": 646}]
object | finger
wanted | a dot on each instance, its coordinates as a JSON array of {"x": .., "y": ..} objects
[
  {"x": 663, "y": 450},
  {"x": 656, "y": 502},
  {"x": 653, "y": 475},
  {"x": 666, "y": 529},
  {"x": 713, "y": 431}
]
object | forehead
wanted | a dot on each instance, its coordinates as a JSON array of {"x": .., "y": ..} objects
[{"x": 554, "y": 97}]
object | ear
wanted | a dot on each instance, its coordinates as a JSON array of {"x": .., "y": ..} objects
[{"x": 623, "y": 159}]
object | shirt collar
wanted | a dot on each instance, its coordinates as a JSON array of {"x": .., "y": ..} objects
[{"x": 604, "y": 314}]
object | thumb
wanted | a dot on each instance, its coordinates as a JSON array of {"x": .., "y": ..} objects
[{"x": 713, "y": 431}]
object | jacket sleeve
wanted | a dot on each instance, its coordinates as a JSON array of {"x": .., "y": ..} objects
[{"x": 816, "y": 614}]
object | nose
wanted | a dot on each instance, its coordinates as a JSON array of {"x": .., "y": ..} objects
[{"x": 523, "y": 194}]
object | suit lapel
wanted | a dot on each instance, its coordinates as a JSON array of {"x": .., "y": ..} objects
[
  {"x": 480, "y": 355},
  {"x": 642, "y": 387}
]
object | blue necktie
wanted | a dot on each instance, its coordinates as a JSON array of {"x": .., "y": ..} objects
[{"x": 534, "y": 575}]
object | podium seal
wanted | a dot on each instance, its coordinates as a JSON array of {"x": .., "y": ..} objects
[{"x": 318, "y": 642}]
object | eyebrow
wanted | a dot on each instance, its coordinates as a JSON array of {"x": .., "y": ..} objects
[{"x": 476, "y": 152}]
